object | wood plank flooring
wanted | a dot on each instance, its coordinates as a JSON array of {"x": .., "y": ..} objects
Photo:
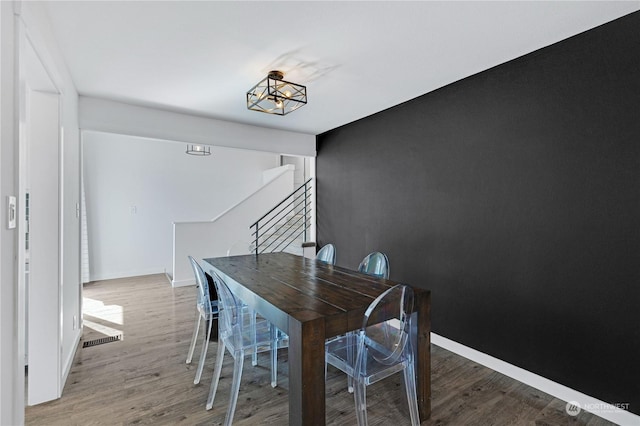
[{"x": 143, "y": 379}]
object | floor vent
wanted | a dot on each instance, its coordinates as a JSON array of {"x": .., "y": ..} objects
[{"x": 102, "y": 341}]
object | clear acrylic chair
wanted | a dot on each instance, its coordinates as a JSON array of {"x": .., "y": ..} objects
[
  {"x": 327, "y": 254},
  {"x": 238, "y": 248},
  {"x": 206, "y": 309},
  {"x": 376, "y": 264},
  {"x": 241, "y": 338},
  {"x": 382, "y": 347}
]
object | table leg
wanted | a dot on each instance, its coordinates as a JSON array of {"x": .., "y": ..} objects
[
  {"x": 423, "y": 359},
  {"x": 306, "y": 372}
]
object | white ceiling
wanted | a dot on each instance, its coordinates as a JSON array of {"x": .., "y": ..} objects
[{"x": 356, "y": 58}]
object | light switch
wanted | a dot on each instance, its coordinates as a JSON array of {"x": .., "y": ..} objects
[
  {"x": 11, "y": 212},
  {"x": 134, "y": 210}
]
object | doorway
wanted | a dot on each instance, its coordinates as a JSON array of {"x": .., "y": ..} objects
[{"x": 40, "y": 215}]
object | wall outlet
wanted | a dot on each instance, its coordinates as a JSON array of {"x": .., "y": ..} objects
[{"x": 75, "y": 322}]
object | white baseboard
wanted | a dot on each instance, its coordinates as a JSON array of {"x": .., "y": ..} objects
[
  {"x": 69, "y": 361},
  {"x": 587, "y": 403},
  {"x": 183, "y": 283},
  {"x": 125, "y": 274}
]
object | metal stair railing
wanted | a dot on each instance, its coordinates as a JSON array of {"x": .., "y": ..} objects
[{"x": 278, "y": 228}]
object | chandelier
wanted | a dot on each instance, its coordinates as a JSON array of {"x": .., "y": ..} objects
[
  {"x": 274, "y": 95},
  {"x": 193, "y": 149}
]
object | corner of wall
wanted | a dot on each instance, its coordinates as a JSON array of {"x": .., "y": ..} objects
[
  {"x": 271, "y": 174},
  {"x": 68, "y": 361}
]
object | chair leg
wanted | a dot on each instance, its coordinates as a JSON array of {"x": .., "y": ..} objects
[
  {"x": 273, "y": 330},
  {"x": 351, "y": 355},
  {"x": 194, "y": 338},
  {"x": 412, "y": 398},
  {"x": 203, "y": 354},
  {"x": 360, "y": 397},
  {"x": 216, "y": 375},
  {"x": 235, "y": 388},
  {"x": 254, "y": 357}
]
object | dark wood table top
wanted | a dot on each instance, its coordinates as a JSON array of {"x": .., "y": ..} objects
[{"x": 304, "y": 289}]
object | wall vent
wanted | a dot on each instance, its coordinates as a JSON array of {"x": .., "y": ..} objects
[{"x": 102, "y": 341}]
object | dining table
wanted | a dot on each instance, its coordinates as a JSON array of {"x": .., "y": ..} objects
[{"x": 312, "y": 301}]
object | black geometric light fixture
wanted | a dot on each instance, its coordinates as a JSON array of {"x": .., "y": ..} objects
[
  {"x": 198, "y": 149},
  {"x": 274, "y": 95}
]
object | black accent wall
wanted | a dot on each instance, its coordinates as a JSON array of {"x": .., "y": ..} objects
[{"x": 514, "y": 195}]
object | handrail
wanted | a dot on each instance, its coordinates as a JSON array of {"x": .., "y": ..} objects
[
  {"x": 295, "y": 200},
  {"x": 287, "y": 238},
  {"x": 289, "y": 219},
  {"x": 278, "y": 205},
  {"x": 296, "y": 223},
  {"x": 288, "y": 224}
]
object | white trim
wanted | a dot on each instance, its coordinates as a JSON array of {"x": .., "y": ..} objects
[
  {"x": 127, "y": 274},
  {"x": 12, "y": 365},
  {"x": 21, "y": 108},
  {"x": 37, "y": 40},
  {"x": 68, "y": 363},
  {"x": 60, "y": 244},
  {"x": 182, "y": 283},
  {"x": 555, "y": 389}
]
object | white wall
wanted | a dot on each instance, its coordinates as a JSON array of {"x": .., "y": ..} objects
[
  {"x": 137, "y": 187},
  {"x": 11, "y": 387},
  {"x": 34, "y": 24},
  {"x": 228, "y": 231},
  {"x": 120, "y": 118},
  {"x": 44, "y": 332},
  {"x": 37, "y": 29}
]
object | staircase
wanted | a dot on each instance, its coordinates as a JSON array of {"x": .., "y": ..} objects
[
  {"x": 228, "y": 233},
  {"x": 284, "y": 227},
  {"x": 284, "y": 237}
]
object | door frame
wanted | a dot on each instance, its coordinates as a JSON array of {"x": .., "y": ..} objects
[{"x": 28, "y": 38}]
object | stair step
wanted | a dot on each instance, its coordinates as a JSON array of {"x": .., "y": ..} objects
[{"x": 285, "y": 228}]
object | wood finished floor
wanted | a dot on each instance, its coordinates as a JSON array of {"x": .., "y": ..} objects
[{"x": 143, "y": 379}]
